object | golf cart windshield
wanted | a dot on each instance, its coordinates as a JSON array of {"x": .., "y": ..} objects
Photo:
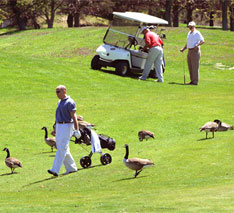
[
  {"x": 120, "y": 32},
  {"x": 126, "y": 27}
]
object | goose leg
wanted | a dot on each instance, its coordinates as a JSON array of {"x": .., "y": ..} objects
[
  {"x": 51, "y": 149},
  {"x": 12, "y": 170},
  {"x": 137, "y": 173},
  {"x": 213, "y": 134},
  {"x": 206, "y": 134}
]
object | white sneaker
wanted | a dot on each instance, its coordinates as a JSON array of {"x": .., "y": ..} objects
[
  {"x": 140, "y": 78},
  {"x": 158, "y": 81}
]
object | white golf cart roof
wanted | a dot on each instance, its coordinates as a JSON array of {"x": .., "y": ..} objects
[{"x": 140, "y": 17}]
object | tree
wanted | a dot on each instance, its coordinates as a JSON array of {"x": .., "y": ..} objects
[
  {"x": 17, "y": 12},
  {"x": 190, "y": 7},
  {"x": 74, "y": 9},
  {"x": 224, "y": 4},
  {"x": 102, "y": 8},
  {"x": 177, "y": 7},
  {"x": 231, "y": 8},
  {"x": 167, "y": 14},
  {"x": 48, "y": 9}
]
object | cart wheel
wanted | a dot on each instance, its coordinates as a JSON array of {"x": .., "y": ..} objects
[
  {"x": 85, "y": 161},
  {"x": 94, "y": 63},
  {"x": 122, "y": 68},
  {"x": 106, "y": 159}
]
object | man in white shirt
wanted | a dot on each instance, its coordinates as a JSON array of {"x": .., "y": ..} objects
[{"x": 194, "y": 41}]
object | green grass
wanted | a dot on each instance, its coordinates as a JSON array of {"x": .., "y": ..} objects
[{"x": 190, "y": 174}]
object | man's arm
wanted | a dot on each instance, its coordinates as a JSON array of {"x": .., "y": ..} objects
[
  {"x": 74, "y": 117},
  {"x": 183, "y": 49},
  {"x": 199, "y": 44}
]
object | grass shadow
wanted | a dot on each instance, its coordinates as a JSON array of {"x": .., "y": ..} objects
[{"x": 10, "y": 33}]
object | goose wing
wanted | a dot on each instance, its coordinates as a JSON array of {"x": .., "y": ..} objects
[
  {"x": 147, "y": 133},
  {"x": 140, "y": 161},
  {"x": 137, "y": 163},
  {"x": 13, "y": 162},
  {"x": 51, "y": 142},
  {"x": 224, "y": 127},
  {"x": 83, "y": 124},
  {"x": 209, "y": 125}
]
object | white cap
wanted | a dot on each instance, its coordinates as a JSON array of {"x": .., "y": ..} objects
[
  {"x": 192, "y": 24},
  {"x": 144, "y": 28},
  {"x": 151, "y": 27}
]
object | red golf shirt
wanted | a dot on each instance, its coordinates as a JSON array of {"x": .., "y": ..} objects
[{"x": 152, "y": 39}]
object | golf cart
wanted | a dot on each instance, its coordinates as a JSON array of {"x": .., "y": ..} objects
[{"x": 123, "y": 43}]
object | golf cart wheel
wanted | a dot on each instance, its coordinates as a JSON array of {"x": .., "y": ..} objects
[
  {"x": 85, "y": 161},
  {"x": 122, "y": 68},
  {"x": 106, "y": 159},
  {"x": 94, "y": 63}
]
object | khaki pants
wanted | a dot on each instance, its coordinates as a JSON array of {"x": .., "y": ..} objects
[{"x": 193, "y": 60}]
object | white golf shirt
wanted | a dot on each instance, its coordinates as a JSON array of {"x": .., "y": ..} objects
[{"x": 193, "y": 39}]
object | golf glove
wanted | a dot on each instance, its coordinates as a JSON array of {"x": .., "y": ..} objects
[{"x": 77, "y": 134}]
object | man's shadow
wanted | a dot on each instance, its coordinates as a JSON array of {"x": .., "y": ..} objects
[
  {"x": 53, "y": 177},
  {"x": 40, "y": 181}
]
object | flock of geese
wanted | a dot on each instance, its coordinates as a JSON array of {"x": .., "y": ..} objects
[
  {"x": 136, "y": 164},
  {"x": 215, "y": 126}
]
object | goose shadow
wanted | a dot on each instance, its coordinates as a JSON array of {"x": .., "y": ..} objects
[
  {"x": 204, "y": 139},
  {"x": 8, "y": 174},
  {"x": 130, "y": 178}
]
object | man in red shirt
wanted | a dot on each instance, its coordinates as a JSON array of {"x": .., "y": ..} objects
[{"x": 154, "y": 44}]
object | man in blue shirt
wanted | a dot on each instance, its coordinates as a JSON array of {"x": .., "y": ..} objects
[{"x": 66, "y": 119}]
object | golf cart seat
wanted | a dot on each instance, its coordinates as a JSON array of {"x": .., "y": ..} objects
[
  {"x": 139, "y": 54},
  {"x": 138, "y": 58}
]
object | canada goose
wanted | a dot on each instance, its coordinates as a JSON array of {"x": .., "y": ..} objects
[
  {"x": 136, "y": 164},
  {"x": 145, "y": 134},
  {"x": 210, "y": 127},
  {"x": 80, "y": 118},
  {"x": 83, "y": 124},
  {"x": 224, "y": 127},
  {"x": 50, "y": 141},
  {"x": 11, "y": 162}
]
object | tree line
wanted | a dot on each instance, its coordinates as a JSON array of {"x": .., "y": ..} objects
[{"x": 24, "y": 13}]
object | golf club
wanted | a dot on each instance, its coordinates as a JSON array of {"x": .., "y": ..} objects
[{"x": 183, "y": 68}]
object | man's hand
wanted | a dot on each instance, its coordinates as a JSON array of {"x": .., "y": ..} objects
[
  {"x": 77, "y": 134},
  {"x": 182, "y": 50}
]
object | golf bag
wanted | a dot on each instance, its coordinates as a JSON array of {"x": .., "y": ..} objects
[{"x": 105, "y": 141}]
